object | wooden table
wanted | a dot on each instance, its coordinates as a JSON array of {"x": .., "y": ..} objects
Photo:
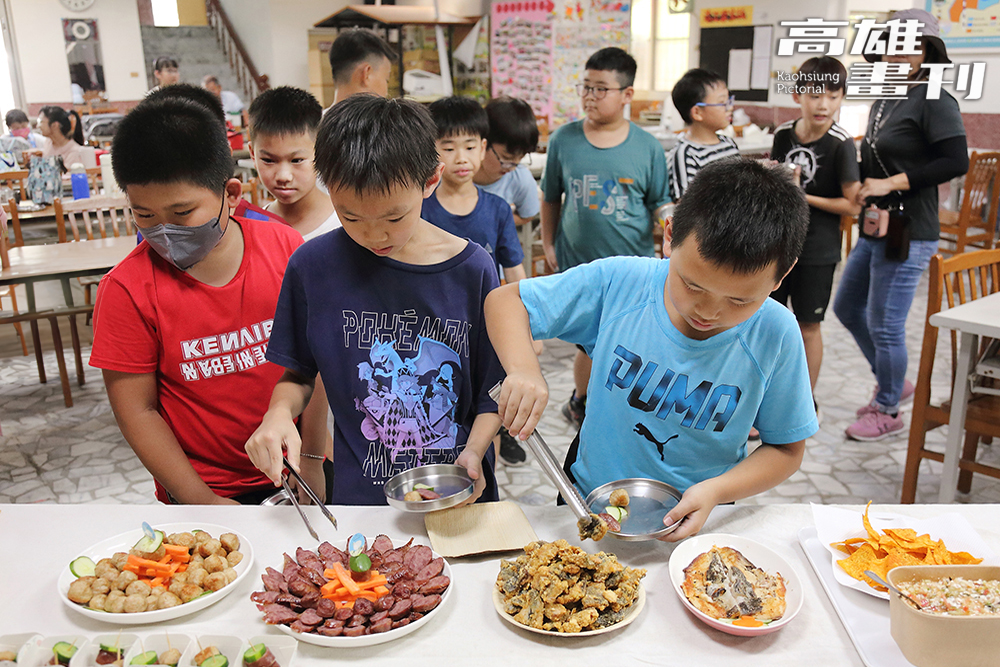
[
  {"x": 61, "y": 261},
  {"x": 972, "y": 320},
  {"x": 38, "y": 541}
]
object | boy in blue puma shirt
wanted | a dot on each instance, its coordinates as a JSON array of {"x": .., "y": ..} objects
[{"x": 689, "y": 352}]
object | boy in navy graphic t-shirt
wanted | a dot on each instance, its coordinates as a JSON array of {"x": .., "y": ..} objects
[
  {"x": 392, "y": 307},
  {"x": 689, "y": 353}
]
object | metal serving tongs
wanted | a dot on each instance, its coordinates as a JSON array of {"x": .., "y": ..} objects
[
  {"x": 587, "y": 522},
  {"x": 309, "y": 492}
]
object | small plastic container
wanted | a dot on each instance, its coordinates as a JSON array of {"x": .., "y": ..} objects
[
  {"x": 161, "y": 643},
  {"x": 39, "y": 649},
  {"x": 81, "y": 186},
  {"x": 228, "y": 645},
  {"x": 20, "y": 644},
  {"x": 87, "y": 655}
]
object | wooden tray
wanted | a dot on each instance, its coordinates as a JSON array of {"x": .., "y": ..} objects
[{"x": 479, "y": 529}]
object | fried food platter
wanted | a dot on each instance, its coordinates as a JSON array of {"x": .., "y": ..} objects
[
  {"x": 125, "y": 541},
  {"x": 633, "y": 614}
]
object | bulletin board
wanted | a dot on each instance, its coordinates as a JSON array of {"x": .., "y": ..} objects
[
  {"x": 538, "y": 49},
  {"x": 742, "y": 56}
]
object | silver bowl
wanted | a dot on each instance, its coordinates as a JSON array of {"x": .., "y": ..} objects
[
  {"x": 451, "y": 481},
  {"x": 649, "y": 501}
]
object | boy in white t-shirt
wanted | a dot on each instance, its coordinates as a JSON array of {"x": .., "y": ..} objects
[{"x": 283, "y": 125}]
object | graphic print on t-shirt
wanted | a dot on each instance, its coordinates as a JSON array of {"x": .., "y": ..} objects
[
  {"x": 410, "y": 405},
  {"x": 225, "y": 353},
  {"x": 805, "y": 157},
  {"x": 708, "y": 405},
  {"x": 610, "y": 198}
]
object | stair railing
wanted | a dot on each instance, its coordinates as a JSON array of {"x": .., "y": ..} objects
[{"x": 250, "y": 81}]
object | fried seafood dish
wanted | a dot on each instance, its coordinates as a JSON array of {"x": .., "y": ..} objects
[
  {"x": 593, "y": 527},
  {"x": 619, "y": 498},
  {"x": 722, "y": 583},
  {"x": 558, "y": 587}
]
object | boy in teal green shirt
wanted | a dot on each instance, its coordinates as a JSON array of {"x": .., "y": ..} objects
[{"x": 614, "y": 178}]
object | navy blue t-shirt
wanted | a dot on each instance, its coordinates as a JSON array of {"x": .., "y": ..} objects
[
  {"x": 491, "y": 225},
  {"x": 403, "y": 352}
]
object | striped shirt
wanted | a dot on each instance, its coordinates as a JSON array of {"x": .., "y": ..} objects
[{"x": 688, "y": 157}]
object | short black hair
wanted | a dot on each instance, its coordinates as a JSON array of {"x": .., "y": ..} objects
[
  {"x": 691, "y": 89},
  {"x": 372, "y": 144},
  {"x": 456, "y": 116},
  {"x": 172, "y": 140},
  {"x": 210, "y": 78},
  {"x": 164, "y": 61},
  {"x": 823, "y": 71},
  {"x": 15, "y": 116},
  {"x": 743, "y": 216},
  {"x": 284, "y": 110},
  {"x": 353, "y": 47},
  {"x": 187, "y": 91},
  {"x": 613, "y": 59},
  {"x": 513, "y": 124},
  {"x": 59, "y": 116}
]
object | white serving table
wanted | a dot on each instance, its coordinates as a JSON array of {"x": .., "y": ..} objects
[
  {"x": 37, "y": 541},
  {"x": 972, "y": 320}
]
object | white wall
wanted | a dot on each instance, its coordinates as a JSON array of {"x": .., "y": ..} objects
[{"x": 42, "y": 50}]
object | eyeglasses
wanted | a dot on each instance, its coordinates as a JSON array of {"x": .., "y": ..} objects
[
  {"x": 599, "y": 93},
  {"x": 728, "y": 103},
  {"x": 508, "y": 164}
]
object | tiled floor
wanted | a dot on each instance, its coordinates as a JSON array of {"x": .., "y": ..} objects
[{"x": 50, "y": 453}]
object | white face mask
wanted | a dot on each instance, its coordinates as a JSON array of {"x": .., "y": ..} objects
[{"x": 185, "y": 246}]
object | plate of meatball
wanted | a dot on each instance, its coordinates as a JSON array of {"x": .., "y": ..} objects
[{"x": 131, "y": 586}]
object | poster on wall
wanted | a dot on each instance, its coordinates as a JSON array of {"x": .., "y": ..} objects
[
  {"x": 967, "y": 24},
  {"x": 538, "y": 49}
]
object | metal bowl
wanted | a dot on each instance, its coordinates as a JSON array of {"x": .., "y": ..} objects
[
  {"x": 451, "y": 481},
  {"x": 649, "y": 501}
]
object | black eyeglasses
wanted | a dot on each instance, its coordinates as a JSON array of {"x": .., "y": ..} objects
[
  {"x": 599, "y": 93},
  {"x": 728, "y": 103},
  {"x": 508, "y": 164}
]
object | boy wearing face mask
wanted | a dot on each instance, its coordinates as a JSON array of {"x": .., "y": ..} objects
[{"x": 181, "y": 324}]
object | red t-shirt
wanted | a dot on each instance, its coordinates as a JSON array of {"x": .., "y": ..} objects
[{"x": 206, "y": 345}]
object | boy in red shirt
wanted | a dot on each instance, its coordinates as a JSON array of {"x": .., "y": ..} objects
[{"x": 181, "y": 325}]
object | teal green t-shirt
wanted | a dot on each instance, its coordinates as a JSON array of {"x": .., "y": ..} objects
[{"x": 610, "y": 194}]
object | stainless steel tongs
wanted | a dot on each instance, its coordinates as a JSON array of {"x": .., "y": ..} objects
[{"x": 309, "y": 492}]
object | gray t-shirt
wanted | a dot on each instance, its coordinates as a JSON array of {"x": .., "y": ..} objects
[
  {"x": 908, "y": 128},
  {"x": 517, "y": 187}
]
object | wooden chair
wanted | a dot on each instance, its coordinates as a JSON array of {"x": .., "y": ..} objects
[
  {"x": 251, "y": 191},
  {"x": 7, "y": 291},
  {"x": 17, "y": 178},
  {"x": 958, "y": 280},
  {"x": 975, "y": 223},
  {"x": 847, "y": 223}
]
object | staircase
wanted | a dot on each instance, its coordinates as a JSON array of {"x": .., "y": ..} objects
[{"x": 214, "y": 49}]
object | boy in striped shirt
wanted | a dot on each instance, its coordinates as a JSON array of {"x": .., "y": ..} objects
[{"x": 704, "y": 102}]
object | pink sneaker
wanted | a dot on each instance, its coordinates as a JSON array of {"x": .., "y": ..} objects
[
  {"x": 905, "y": 397},
  {"x": 874, "y": 426}
]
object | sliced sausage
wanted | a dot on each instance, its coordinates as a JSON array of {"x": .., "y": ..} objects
[
  {"x": 382, "y": 544},
  {"x": 402, "y": 590},
  {"x": 299, "y": 586},
  {"x": 357, "y": 620},
  {"x": 330, "y": 632},
  {"x": 299, "y": 626},
  {"x": 289, "y": 568},
  {"x": 355, "y": 631},
  {"x": 400, "y": 623},
  {"x": 343, "y": 614},
  {"x": 377, "y": 616},
  {"x": 309, "y": 559},
  {"x": 436, "y": 585},
  {"x": 279, "y": 614},
  {"x": 381, "y": 626},
  {"x": 310, "y": 600},
  {"x": 400, "y": 609},
  {"x": 431, "y": 570},
  {"x": 310, "y": 617},
  {"x": 326, "y": 608},
  {"x": 364, "y": 607},
  {"x": 385, "y": 603},
  {"x": 424, "y": 604},
  {"x": 333, "y": 623},
  {"x": 274, "y": 580},
  {"x": 314, "y": 577},
  {"x": 394, "y": 556},
  {"x": 266, "y": 597},
  {"x": 417, "y": 558}
]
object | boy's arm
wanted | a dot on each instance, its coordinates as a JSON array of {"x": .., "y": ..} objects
[
  {"x": 766, "y": 467},
  {"x": 133, "y": 398},
  {"x": 524, "y": 392},
  {"x": 484, "y": 427},
  {"x": 846, "y": 205},
  {"x": 514, "y": 273},
  {"x": 277, "y": 430},
  {"x": 550, "y": 223},
  {"x": 314, "y": 438}
]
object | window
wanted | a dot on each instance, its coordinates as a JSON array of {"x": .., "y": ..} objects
[{"x": 660, "y": 44}]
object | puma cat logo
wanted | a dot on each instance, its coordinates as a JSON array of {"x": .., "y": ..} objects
[{"x": 644, "y": 432}]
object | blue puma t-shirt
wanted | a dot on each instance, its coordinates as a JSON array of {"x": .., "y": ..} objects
[
  {"x": 403, "y": 353},
  {"x": 661, "y": 405}
]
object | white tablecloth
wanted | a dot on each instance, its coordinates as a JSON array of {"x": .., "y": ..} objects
[{"x": 37, "y": 541}]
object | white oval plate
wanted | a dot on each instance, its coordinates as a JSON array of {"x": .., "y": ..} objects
[
  {"x": 382, "y": 637},
  {"x": 756, "y": 553},
  {"x": 126, "y": 541},
  {"x": 640, "y": 602}
]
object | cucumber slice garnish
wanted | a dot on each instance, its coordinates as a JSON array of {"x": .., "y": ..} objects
[
  {"x": 64, "y": 651},
  {"x": 254, "y": 653},
  {"x": 82, "y": 567},
  {"x": 215, "y": 661},
  {"x": 418, "y": 486},
  {"x": 147, "y": 658},
  {"x": 360, "y": 563},
  {"x": 110, "y": 649},
  {"x": 149, "y": 544}
]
